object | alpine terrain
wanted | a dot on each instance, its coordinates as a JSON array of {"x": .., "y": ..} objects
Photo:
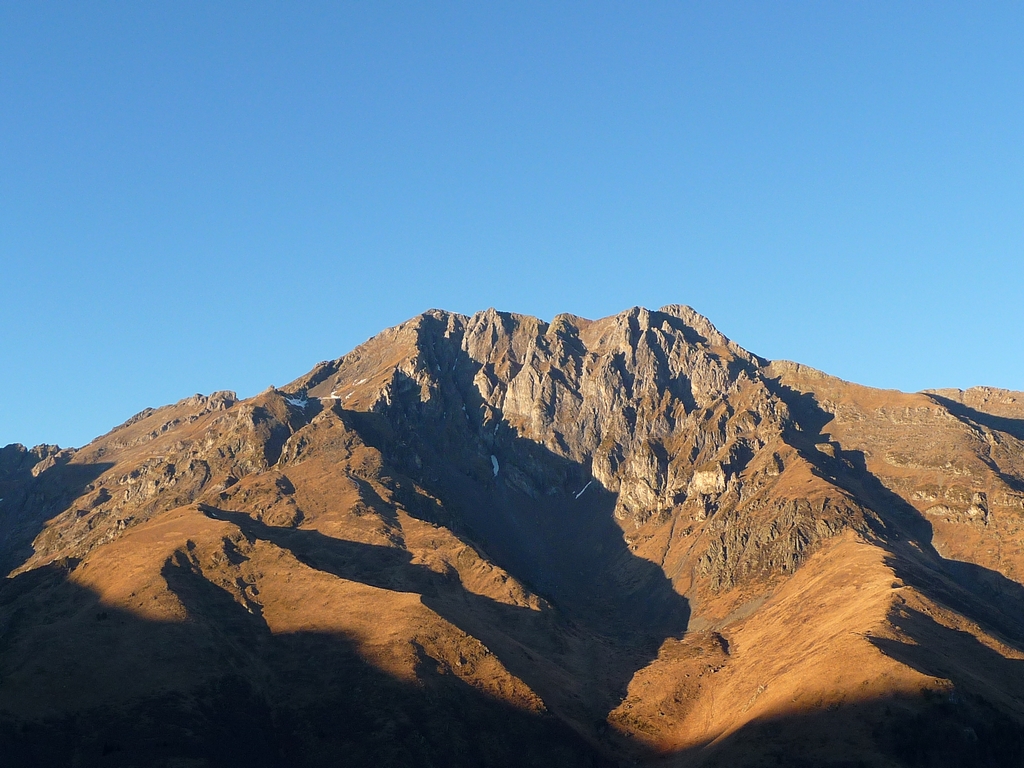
[{"x": 498, "y": 541}]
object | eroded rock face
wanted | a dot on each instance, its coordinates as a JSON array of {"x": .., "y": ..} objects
[
  {"x": 158, "y": 460},
  {"x": 657, "y": 409}
]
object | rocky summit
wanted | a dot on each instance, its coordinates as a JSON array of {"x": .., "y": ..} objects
[{"x": 494, "y": 540}]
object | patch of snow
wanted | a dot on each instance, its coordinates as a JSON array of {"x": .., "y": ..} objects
[
  {"x": 298, "y": 402},
  {"x": 494, "y": 464},
  {"x": 584, "y": 488},
  {"x": 361, "y": 381}
]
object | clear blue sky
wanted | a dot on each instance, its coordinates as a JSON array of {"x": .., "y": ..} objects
[{"x": 202, "y": 196}]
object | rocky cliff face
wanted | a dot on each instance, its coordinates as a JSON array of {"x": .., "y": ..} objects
[
  {"x": 631, "y": 537},
  {"x": 658, "y": 409}
]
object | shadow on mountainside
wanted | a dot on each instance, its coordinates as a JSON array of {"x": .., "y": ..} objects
[
  {"x": 966, "y": 724},
  {"x": 540, "y": 516},
  {"x": 580, "y": 670},
  {"x": 939, "y": 651},
  {"x": 981, "y": 594},
  {"x": 219, "y": 689},
  {"x": 973, "y": 418},
  {"x": 28, "y": 501},
  {"x": 619, "y": 608},
  {"x": 965, "y": 413},
  {"x": 934, "y": 729}
]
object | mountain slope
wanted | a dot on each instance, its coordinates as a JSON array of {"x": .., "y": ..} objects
[{"x": 496, "y": 540}]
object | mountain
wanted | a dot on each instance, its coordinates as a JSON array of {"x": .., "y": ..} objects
[{"x": 493, "y": 540}]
